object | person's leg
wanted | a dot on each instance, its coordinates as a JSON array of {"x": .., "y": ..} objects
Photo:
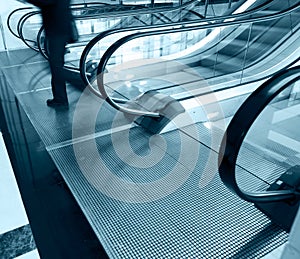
[
  {"x": 56, "y": 45},
  {"x": 56, "y": 28}
]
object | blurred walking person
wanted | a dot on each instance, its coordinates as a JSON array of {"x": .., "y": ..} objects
[{"x": 59, "y": 30}]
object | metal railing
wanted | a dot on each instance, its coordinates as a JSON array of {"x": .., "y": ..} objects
[
  {"x": 240, "y": 125},
  {"x": 180, "y": 27},
  {"x": 171, "y": 27}
]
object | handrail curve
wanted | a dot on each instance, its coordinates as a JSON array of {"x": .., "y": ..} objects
[
  {"x": 106, "y": 33},
  {"x": 10, "y": 17},
  {"x": 112, "y": 49},
  {"x": 238, "y": 128}
]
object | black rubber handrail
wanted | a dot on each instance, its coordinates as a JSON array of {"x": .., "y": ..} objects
[
  {"x": 20, "y": 29},
  {"x": 36, "y": 11},
  {"x": 147, "y": 10},
  {"x": 249, "y": 65},
  {"x": 111, "y": 14},
  {"x": 201, "y": 19},
  {"x": 94, "y": 5},
  {"x": 109, "y": 52},
  {"x": 153, "y": 11},
  {"x": 143, "y": 10},
  {"x": 240, "y": 51},
  {"x": 10, "y": 16},
  {"x": 45, "y": 55},
  {"x": 104, "y": 34},
  {"x": 240, "y": 125},
  {"x": 73, "y": 6}
]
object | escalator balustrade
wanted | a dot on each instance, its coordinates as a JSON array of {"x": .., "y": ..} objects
[
  {"x": 90, "y": 18},
  {"x": 284, "y": 212},
  {"x": 254, "y": 60},
  {"x": 259, "y": 155},
  {"x": 185, "y": 14}
]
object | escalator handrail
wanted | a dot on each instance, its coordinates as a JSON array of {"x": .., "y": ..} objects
[
  {"x": 39, "y": 35},
  {"x": 35, "y": 9},
  {"x": 154, "y": 9},
  {"x": 101, "y": 35},
  {"x": 20, "y": 25},
  {"x": 104, "y": 34},
  {"x": 109, "y": 52},
  {"x": 9, "y": 19},
  {"x": 147, "y": 10},
  {"x": 240, "y": 125},
  {"x": 249, "y": 65},
  {"x": 111, "y": 14}
]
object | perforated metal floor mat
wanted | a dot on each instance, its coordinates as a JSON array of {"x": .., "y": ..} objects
[
  {"x": 191, "y": 222},
  {"x": 55, "y": 125}
]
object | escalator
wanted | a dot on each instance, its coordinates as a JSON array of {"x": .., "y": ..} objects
[
  {"x": 25, "y": 22},
  {"x": 259, "y": 156},
  {"x": 154, "y": 203},
  {"x": 130, "y": 22},
  {"x": 231, "y": 53},
  {"x": 166, "y": 44},
  {"x": 241, "y": 51},
  {"x": 90, "y": 18}
]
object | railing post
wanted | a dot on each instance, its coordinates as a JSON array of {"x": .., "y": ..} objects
[
  {"x": 152, "y": 3},
  {"x": 246, "y": 52},
  {"x": 205, "y": 7},
  {"x": 3, "y": 35}
]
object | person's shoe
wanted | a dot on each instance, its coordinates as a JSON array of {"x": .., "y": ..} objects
[{"x": 57, "y": 104}]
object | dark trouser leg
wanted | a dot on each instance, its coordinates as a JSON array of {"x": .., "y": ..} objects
[
  {"x": 56, "y": 19},
  {"x": 56, "y": 45}
]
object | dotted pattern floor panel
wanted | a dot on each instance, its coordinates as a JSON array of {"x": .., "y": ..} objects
[
  {"x": 20, "y": 57},
  {"x": 55, "y": 126},
  {"x": 205, "y": 221}
]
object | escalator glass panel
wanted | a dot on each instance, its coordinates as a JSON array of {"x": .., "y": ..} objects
[
  {"x": 224, "y": 56},
  {"x": 272, "y": 145}
]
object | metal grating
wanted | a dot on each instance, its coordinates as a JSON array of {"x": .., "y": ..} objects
[
  {"x": 192, "y": 222},
  {"x": 55, "y": 127}
]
